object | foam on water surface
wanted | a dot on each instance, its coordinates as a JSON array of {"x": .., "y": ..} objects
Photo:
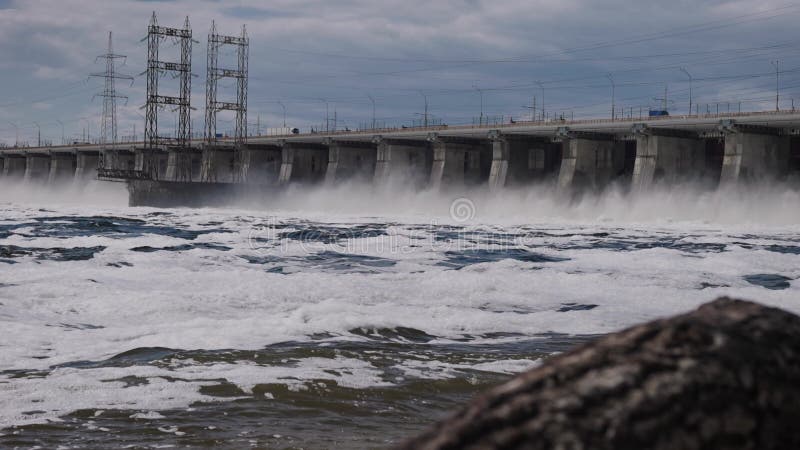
[{"x": 151, "y": 312}]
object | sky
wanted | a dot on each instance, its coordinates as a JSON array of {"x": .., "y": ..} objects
[{"x": 465, "y": 58}]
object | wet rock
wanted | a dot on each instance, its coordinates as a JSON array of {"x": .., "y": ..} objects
[{"x": 726, "y": 376}]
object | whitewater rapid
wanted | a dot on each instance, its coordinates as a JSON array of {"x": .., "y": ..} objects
[{"x": 104, "y": 307}]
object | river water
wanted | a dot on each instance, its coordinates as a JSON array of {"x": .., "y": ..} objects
[{"x": 339, "y": 318}]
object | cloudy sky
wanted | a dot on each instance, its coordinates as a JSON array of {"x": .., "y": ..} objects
[{"x": 309, "y": 54}]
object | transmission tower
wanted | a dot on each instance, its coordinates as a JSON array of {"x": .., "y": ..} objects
[
  {"x": 108, "y": 133},
  {"x": 156, "y": 69},
  {"x": 242, "y": 44}
]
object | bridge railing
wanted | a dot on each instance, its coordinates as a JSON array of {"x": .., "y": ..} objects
[{"x": 552, "y": 122}]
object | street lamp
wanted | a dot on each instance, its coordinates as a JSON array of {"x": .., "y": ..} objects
[
  {"x": 613, "y": 96},
  {"x": 480, "y": 92},
  {"x": 62, "y": 131},
  {"x": 284, "y": 113},
  {"x": 425, "y": 117},
  {"x": 690, "y": 88},
  {"x": 777, "y": 65},
  {"x": 38, "y": 134},
  {"x": 541, "y": 85},
  {"x": 88, "y": 136},
  {"x": 373, "y": 110},
  {"x": 16, "y": 134},
  {"x": 327, "y": 114}
]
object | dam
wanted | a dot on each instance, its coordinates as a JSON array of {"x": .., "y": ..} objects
[{"x": 574, "y": 156}]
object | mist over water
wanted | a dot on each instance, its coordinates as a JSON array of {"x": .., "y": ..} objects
[
  {"x": 348, "y": 316},
  {"x": 762, "y": 204}
]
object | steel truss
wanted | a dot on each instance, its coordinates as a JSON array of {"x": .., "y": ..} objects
[{"x": 215, "y": 73}]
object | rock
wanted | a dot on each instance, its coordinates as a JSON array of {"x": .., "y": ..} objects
[{"x": 726, "y": 376}]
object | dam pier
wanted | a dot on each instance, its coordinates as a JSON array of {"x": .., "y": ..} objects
[{"x": 573, "y": 156}]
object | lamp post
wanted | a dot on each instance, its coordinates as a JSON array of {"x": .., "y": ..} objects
[
  {"x": 88, "y": 132},
  {"x": 284, "y": 113},
  {"x": 690, "y": 88},
  {"x": 373, "y": 109},
  {"x": 541, "y": 86},
  {"x": 327, "y": 114},
  {"x": 16, "y": 134},
  {"x": 613, "y": 95},
  {"x": 480, "y": 92},
  {"x": 62, "y": 131},
  {"x": 777, "y": 65},
  {"x": 425, "y": 116},
  {"x": 38, "y": 134}
]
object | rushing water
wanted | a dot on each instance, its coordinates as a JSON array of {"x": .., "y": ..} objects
[{"x": 325, "y": 328}]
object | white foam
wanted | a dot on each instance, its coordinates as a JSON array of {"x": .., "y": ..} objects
[{"x": 62, "y": 312}]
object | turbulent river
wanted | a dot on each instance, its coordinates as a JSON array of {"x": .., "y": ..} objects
[{"x": 339, "y": 318}]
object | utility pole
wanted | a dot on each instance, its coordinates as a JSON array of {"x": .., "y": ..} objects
[
  {"x": 613, "y": 95},
  {"x": 156, "y": 69},
  {"x": 87, "y": 135},
  {"x": 327, "y": 116},
  {"x": 373, "y": 109},
  {"x": 480, "y": 92},
  {"x": 425, "y": 116},
  {"x": 690, "y": 88},
  {"x": 16, "y": 134},
  {"x": 777, "y": 65},
  {"x": 38, "y": 135},
  {"x": 541, "y": 86},
  {"x": 108, "y": 132},
  {"x": 284, "y": 113},
  {"x": 214, "y": 73},
  {"x": 62, "y": 131}
]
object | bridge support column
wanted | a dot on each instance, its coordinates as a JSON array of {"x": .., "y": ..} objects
[
  {"x": 666, "y": 156},
  {"x": 62, "y": 167},
  {"x": 118, "y": 160},
  {"x": 37, "y": 167},
  {"x": 590, "y": 160},
  {"x": 401, "y": 161},
  {"x": 13, "y": 166},
  {"x": 152, "y": 162},
  {"x": 303, "y": 163},
  {"x": 218, "y": 164},
  {"x": 501, "y": 153},
  {"x": 753, "y": 153},
  {"x": 86, "y": 165},
  {"x": 518, "y": 160},
  {"x": 260, "y": 164},
  {"x": 457, "y": 162},
  {"x": 182, "y": 165},
  {"x": 350, "y": 161}
]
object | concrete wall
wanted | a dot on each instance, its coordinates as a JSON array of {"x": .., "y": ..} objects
[
  {"x": 62, "y": 167},
  {"x": 86, "y": 166},
  {"x": 666, "y": 160},
  {"x": 303, "y": 164},
  {"x": 14, "y": 166},
  {"x": 218, "y": 165},
  {"x": 459, "y": 164},
  {"x": 403, "y": 164},
  {"x": 590, "y": 163},
  {"x": 754, "y": 157},
  {"x": 183, "y": 165},
  {"x": 518, "y": 161},
  {"x": 152, "y": 162},
  {"x": 261, "y": 165},
  {"x": 118, "y": 160},
  {"x": 350, "y": 163},
  {"x": 37, "y": 167}
]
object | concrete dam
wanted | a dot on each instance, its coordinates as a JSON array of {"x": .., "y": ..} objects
[{"x": 573, "y": 156}]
